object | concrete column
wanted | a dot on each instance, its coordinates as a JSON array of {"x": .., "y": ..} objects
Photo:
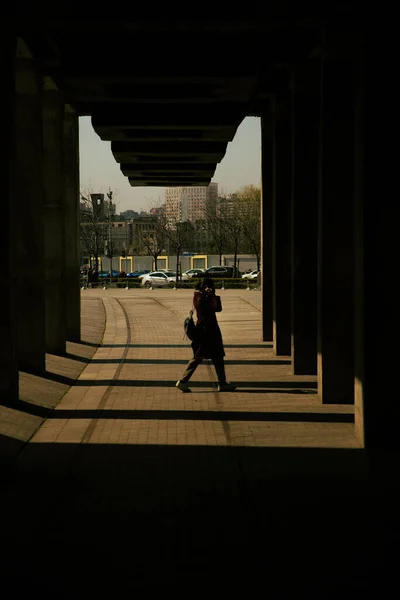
[
  {"x": 54, "y": 233},
  {"x": 8, "y": 330},
  {"x": 28, "y": 197},
  {"x": 267, "y": 165},
  {"x": 307, "y": 82},
  {"x": 72, "y": 225},
  {"x": 377, "y": 407},
  {"x": 281, "y": 222},
  {"x": 336, "y": 236}
]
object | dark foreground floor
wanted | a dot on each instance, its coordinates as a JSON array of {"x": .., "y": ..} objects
[
  {"x": 87, "y": 519},
  {"x": 108, "y": 520}
]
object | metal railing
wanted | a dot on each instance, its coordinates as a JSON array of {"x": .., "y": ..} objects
[{"x": 135, "y": 283}]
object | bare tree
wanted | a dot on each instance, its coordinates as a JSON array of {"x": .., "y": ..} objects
[
  {"x": 249, "y": 213},
  {"x": 154, "y": 237},
  {"x": 234, "y": 229},
  {"x": 97, "y": 216},
  {"x": 217, "y": 230},
  {"x": 93, "y": 227},
  {"x": 178, "y": 236}
]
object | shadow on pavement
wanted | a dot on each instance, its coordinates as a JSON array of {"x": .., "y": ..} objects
[
  {"x": 203, "y": 415},
  {"x": 313, "y": 520},
  {"x": 173, "y": 346},
  {"x": 175, "y": 361},
  {"x": 276, "y": 385}
]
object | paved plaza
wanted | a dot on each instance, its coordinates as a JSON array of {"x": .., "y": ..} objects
[
  {"x": 131, "y": 380},
  {"x": 106, "y": 462}
]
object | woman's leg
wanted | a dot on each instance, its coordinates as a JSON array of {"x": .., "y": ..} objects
[
  {"x": 190, "y": 369},
  {"x": 223, "y": 386},
  {"x": 220, "y": 370}
]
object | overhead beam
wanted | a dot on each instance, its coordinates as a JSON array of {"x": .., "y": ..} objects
[
  {"x": 168, "y": 182},
  {"x": 170, "y": 149},
  {"x": 119, "y": 133},
  {"x": 171, "y": 167},
  {"x": 152, "y": 24},
  {"x": 162, "y": 175},
  {"x": 97, "y": 91},
  {"x": 206, "y": 53},
  {"x": 147, "y": 80},
  {"x": 169, "y": 175},
  {"x": 167, "y": 116},
  {"x": 149, "y": 161}
]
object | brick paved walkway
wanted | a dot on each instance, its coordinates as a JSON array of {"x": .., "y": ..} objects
[
  {"x": 131, "y": 380},
  {"x": 126, "y": 481},
  {"x": 40, "y": 395}
]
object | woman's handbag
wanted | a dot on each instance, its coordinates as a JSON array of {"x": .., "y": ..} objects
[{"x": 189, "y": 327}]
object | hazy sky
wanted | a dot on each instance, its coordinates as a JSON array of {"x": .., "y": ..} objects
[{"x": 100, "y": 171}]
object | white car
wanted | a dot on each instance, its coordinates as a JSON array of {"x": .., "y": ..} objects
[
  {"x": 156, "y": 279},
  {"x": 168, "y": 272},
  {"x": 191, "y": 273},
  {"x": 252, "y": 275}
]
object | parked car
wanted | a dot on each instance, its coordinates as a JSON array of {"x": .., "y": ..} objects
[
  {"x": 138, "y": 273},
  {"x": 251, "y": 275},
  {"x": 155, "y": 279},
  {"x": 116, "y": 274},
  {"x": 191, "y": 273},
  {"x": 220, "y": 272}
]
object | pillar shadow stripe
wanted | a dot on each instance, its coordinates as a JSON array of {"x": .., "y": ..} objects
[
  {"x": 187, "y": 346},
  {"x": 271, "y": 385},
  {"x": 162, "y": 361},
  {"x": 204, "y": 415},
  {"x": 225, "y": 425}
]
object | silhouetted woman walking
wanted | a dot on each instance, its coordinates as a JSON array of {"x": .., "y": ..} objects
[{"x": 208, "y": 339}]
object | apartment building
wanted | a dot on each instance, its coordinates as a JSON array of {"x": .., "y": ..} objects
[{"x": 191, "y": 203}]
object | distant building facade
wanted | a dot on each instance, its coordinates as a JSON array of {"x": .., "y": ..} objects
[
  {"x": 142, "y": 226},
  {"x": 226, "y": 205},
  {"x": 129, "y": 214},
  {"x": 191, "y": 203}
]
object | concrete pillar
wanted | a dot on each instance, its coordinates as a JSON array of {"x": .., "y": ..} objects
[
  {"x": 72, "y": 225},
  {"x": 376, "y": 403},
  {"x": 281, "y": 222},
  {"x": 336, "y": 235},
  {"x": 307, "y": 81},
  {"x": 267, "y": 166},
  {"x": 8, "y": 283},
  {"x": 28, "y": 197},
  {"x": 54, "y": 218}
]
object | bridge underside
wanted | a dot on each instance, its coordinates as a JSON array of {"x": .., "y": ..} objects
[{"x": 170, "y": 96}]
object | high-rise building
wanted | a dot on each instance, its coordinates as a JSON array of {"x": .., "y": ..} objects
[{"x": 192, "y": 203}]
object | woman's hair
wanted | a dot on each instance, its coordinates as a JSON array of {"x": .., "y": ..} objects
[{"x": 207, "y": 282}]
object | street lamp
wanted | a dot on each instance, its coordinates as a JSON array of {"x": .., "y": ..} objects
[{"x": 110, "y": 248}]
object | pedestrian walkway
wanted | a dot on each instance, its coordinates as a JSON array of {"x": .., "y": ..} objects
[
  {"x": 131, "y": 379},
  {"x": 38, "y": 396},
  {"x": 119, "y": 478}
]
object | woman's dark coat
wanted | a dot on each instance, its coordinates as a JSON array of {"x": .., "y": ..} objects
[{"x": 208, "y": 342}]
